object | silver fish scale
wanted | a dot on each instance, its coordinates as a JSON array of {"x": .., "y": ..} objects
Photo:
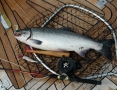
[
  {"x": 58, "y": 40},
  {"x": 57, "y": 32}
]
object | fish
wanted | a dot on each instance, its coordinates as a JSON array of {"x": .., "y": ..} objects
[
  {"x": 28, "y": 59},
  {"x": 62, "y": 39}
]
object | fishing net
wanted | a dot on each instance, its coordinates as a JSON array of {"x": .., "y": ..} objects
[{"x": 94, "y": 65}]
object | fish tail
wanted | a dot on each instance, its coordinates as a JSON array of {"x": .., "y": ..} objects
[{"x": 106, "y": 49}]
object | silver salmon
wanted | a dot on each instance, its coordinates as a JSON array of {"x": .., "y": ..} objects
[{"x": 62, "y": 39}]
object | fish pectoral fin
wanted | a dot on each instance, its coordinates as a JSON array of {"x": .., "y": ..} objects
[
  {"x": 36, "y": 41},
  {"x": 82, "y": 52}
]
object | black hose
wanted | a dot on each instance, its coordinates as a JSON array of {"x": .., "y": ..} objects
[{"x": 77, "y": 79}]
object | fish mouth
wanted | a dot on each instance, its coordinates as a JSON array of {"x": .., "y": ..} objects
[
  {"x": 17, "y": 34},
  {"x": 21, "y": 33}
]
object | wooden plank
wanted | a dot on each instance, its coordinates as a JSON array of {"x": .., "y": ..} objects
[
  {"x": 41, "y": 82},
  {"x": 94, "y": 29},
  {"x": 21, "y": 24},
  {"x": 52, "y": 87},
  {"x": 36, "y": 6},
  {"x": 3, "y": 76},
  {"x": 114, "y": 2},
  {"x": 13, "y": 88},
  {"x": 73, "y": 86},
  {"x": 27, "y": 8},
  {"x": 10, "y": 55},
  {"x": 113, "y": 78},
  {"x": 85, "y": 3},
  {"x": 43, "y": 4},
  {"x": 86, "y": 86},
  {"x": 110, "y": 13},
  {"x": 107, "y": 13},
  {"x": 59, "y": 84},
  {"x": 110, "y": 16},
  {"x": 32, "y": 83},
  {"x": 47, "y": 84},
  {"x": 114, "y": 25},
  {"x": 100, "y": 27},
  {"x": 10, "y": 33},
  {"x": 17, "y": 50},
  {"x": 106, "y": 85},
  {"x": 77, "y": 14},
  {"x": 66, "y": 82},
  {"x": 94, "y": 2},
  {"x": 9, "y": 13},
  {"x": 14, "y": 6},
  {"x": 13, "y": 44},
  {"x": 7, "y": 65}
]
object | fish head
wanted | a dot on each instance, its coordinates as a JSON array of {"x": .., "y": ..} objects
[{"x": 22, "y": 35}]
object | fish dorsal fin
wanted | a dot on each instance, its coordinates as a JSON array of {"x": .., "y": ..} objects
[
  {"x": 67, "y": 29},
  {"x": 82, "y": 52}
]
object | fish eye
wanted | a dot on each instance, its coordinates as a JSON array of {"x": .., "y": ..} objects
[{"x": 17, "y": 34}]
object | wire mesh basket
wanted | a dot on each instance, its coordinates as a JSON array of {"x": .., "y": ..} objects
[{"x": 83, "y": 22}]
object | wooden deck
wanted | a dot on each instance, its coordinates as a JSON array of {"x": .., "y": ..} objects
[{"x": 21, "y": 13}]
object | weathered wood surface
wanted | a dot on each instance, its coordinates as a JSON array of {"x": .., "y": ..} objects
[{"x": 21, "y": 12}]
